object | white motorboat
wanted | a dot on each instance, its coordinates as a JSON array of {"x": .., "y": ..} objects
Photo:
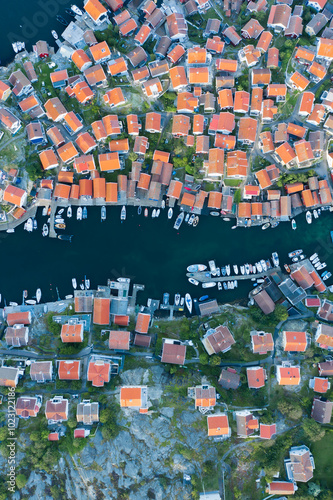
[
  {"x": 54, "y": 34},
  {"x": 275, "y": 259},
  {"x": 313, "y": 256},
  {"x": 227, "y": 270},
  {"x": 293, "y": 224},
  {"x": 76, "y": 10},
  {"x": 38, "y": 295},
  {"x": 61, "y": 211},
  {"x": 219, "y": 285},
  {"x": 44, "y": 212},
  {"x": 158, "y": 211},
  {"x": 30, "y": 225},
  {"x": 193, "y": 281},
  {"x": 188, "y": 302},
  {"x": 30, "y": 302},
  {"x": 315, "y": 261},
  {"x": 182, "y": 300},
  {"x": 242, "y": 269},
  {"x": 103, "y": 213},
  {"x": 177, "y": 299},
  {"x": 153, "y": 214},
  {"x": 69, "y": 212},
  {"x": 74, "y": 283},
  {"x": 195, "y": 268},
  {"x": 187, "y": 216},
  {"x": 247, "y": 269},
  {"x": 34, "y": 223},
  {"x": 209, "y": 284},
  {"x": 259, "y": 267},
  {"x": 315, "y": 214},
  {"x": 45, "y": 231},
  {"x": 235, "y": 283},
  {"x": 218, "y": 271},
  {"x": 295, "y": 259},
  {"x": 79, "y": 213},
  {"x": 235, "y": 268},
  {"x": 59, "y": 220},
  {"x": 13, "y": 304},
  {"x": 196, "y": 221},
  {"x": 254, "y": 269},
  {"x": 163, "y": 204},
  {"x": 191, "y": 220},
  {"x": 308, "y": 217},
  {"x": 82, "y": 286},
  {"x": 179, "y": 221},
  {"x": 123, "y": 213},
  {"x": 321, "y": 266},
  {"x": 11, "y": 230},
  {"x": 170, "y": 213},
  {"x": 86, "y": 283},
  {"x": 263, "y": 264}
]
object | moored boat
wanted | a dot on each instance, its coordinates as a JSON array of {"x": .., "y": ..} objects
[
  {"x": 287, "y": 268},
  {"x": 313, "y": 256},
  {"x": 103, "y": 213},
  {"x": 61, "y": 20},
  {"x": 139, "y": 210},
  {"x": 227, "y": 269},
  {"x": 86, "y": 283},
  {"x": 146, "y": 212},
  {"x": 235, "y": 268},
  {"x": 76, "y": 10},
  {"x": 265, "y": 226},
  {"x": 259, "y": 267},
  {"x": 177, "y": 299},
  {"x": 275, "y": 259},
  {"x": 191, "y": 220},
  {"x": 263, "y": 264},
  {"x": 308, "y": 217},
  {"x": 74, "y": 283},
  {"x": 188, "y": 302},
  {"x": 44, "y": 212},
  {"x": 315, "y": 214},
  {"x": 203, "y": 297},
  {"x": 179, "y": 221},
  {"x": 214, "y": 213},
  {"x": 84, "y": 213},
  {"x": 219, "y": 285},
  {"x": 69, "y": 211},
  {"x": 60, "y": 226},
  {"x": 79, "y": 213},
  {"x": 38, "y": 295},
  {"x": 123, "y": 213},
  {"x": 293, "y": 224},
  {"x": 187, "y": 216},
  {"x": 158, "y": 211},
  {"x": 153, "y": 214},
  {"x": 82, "y": 286},
  {"x": 163, "y": 204},
  {"x": 195, "y": 221},
  {"x": 170, "y": 213},
  {"x": 65, "y": 237},
  {"x": 30, "y": 302},
  {"x": 54, "y": 34},
  {"x": 34, "y": 223},
  {"x": 195, "y": 268},
  {"x": 295, "y": 253},
  {"x": 45, "y": 231},
  {"x": 327, "y": 275},
  {"x": 193, "y": 281},
  {"x": 30, "y": 225},
  {"x": 70, "y": 12},
  {"x": 10, "y": 230},
  {"x": 242, "y": 269}
]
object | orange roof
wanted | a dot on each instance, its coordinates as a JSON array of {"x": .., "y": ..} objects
[
  {"x": 175, "y": 189},
  {"x": 59, "y": 75},
  {"x": 294, "y": 188},
  {"x": 153, "y": 122},
  {"x": 186, "y": 102},
  {"x": 133, "y": 125},
  {"x": 128, "y": 26},
  {"x": 101, "y": 311},
  {"x": 317, "y": 114},
  {"x": 297, "y": 130},
  {"x": 176, "y": 53},
  {"x": 236, "y": 164},
  {"x": 256, "y": 377},
  {"x": 261, "y": 76},
  {"x": 61, "y": 191},
  {"x": 225, "y": 99},
  {"x": 196, "y": 55},
  {"x": 48, "y": 159},
  {"x": 152, "y": 87},
  {"x": 325, "y": 48},
  {"x": 198, "y": 124},
  {"x": 121, "y": 319},
  {"x": 303, "y": 53},
  {"x": 54, "y": 108},
  {"x": 4, "y": 90},
  {"x": 119, "y": 340},
  {"x": 99, "y": 188},
  {"x": 214, "y": 199},
  {"x": 95, "y": 9},
  {"x": 130, "y": 397},
  {"x": 111, "y": 195},
  {"x": 215, "y": 44},
  {"x": 321, "y": 385},
  {"x": 318, "y": 70},
  {"x": 122, "y": 17},
  {"x": 198, "y": 76},
  {"x": 144, "y": 181},
  {"x": 161, "y": 155},
  {"x": 307, "y": 198},
  {"x": 69, "y": 370},
  {"x": 216, "y": 161},
  {"x": 286, "y": 153},
  {"x": 19, "y": 318},
  {"x": 276, "y": 89},
  {"x": 98, "y": 372},
  {"x": 85, "y": 142},
  {"x": 178, "y": 77},
  {"x": 142, "y": 323},
  {"x": 188, "y": 199},
  {"x": 218, "y": 425},
  {"x": 256, "y": 100},
  {"x": 112, "y": 124},
  {"x": 230, "y": 65},
  {"x": 264, "y": 41},
  {"x": 75, "y": 192},
  {"x": 257, "y": 209},
  {"x": 304, "y": 151},
  {"x": 81, "y": 59},
  {"x": 294, "y": 341},
  {"x": 247, "y": 129},
  {"x": 225, "y": 141},
  {"x": 67, "y": 152},
  {"x": 84, "y": 163},
  {"x": 46, "y": 183},
  {"x": 109, "y": 162},
  {"x": 180, "y": 125},
  {"x": 28, "y": 103},
  {"x": 299, "y": 81},
  {"x": 306, "y": 103},
  {"x": 114, "y": 97},
  {"x": 143, "y": 34},
  {"x": 55, "y": 135},
  {"x": 117, "y": 66},
  {"x": 86, "y": 187},
  {"x": 66, "y": 176},
  {"x": 273, "y": 58},
  {"x": 99, "y": 130},
  {"x": 81, "y": 91},
  {"x": 289, "y": 375},
  {"x": 119, "y": 145},
  {"x": 72, "y": 121},
  {"x": 242, "y": 101},
  {"x": 244, "y": 210},
  {"x": 140, "y": 74},
  {"x": 95, "y": 75},
  {"x": 72, "y": 333}
]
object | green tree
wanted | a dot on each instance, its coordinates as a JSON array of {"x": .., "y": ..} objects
[
  {"x": 280, "y": 313},
  {"x": 71, "y": 422},
  {"x": 214, "y": 360},
  {"x": 203, "y": 358},
  {"x": 21, "y": 481},
  {"x": 290, "y": 409},
  {"x": 314, "y": 489},
  {"x": 312, "y": 430}
]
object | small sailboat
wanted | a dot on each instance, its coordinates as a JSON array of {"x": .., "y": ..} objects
[
  {"x": 84, "y": 213},
  {"x": 187, "y": 217},
  {"x": 139, "y": 210},
  {"x": 103, "y": 213},
  {"x": 188, "y": 302},
  {"x": 146, "y": 212},
  {"x": 38, "y": 295},
  {"x": 123, "y": 213},
  {"x": 293, "y": 224},
  {"x": 69, "y": 212},
  {"x": 79, "y": 213},
  {"x": 74, "y": 283},
  {"x": 170, "y": 213}
]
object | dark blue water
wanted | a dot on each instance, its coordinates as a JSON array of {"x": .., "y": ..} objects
[
  {"x": 29, "y": 21},
  {"x": 147, "y": 250}
]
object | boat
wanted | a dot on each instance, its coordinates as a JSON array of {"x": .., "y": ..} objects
[
  {"x": 163, "y": 204},
  {"x": 188, "y": 302},
  {"x": 302, "y": 256},
  {"x": 44, "y": 212},
  {"x": 254, "y": 269},
  {"x": 274, "y": 224},
  {"x": 76, "y": 10},
  {"x": 223, "y": 271},
  {"x": 260, "y": 280},
  {"x": 45, "y": 231},
  {"x": 315, "y": 261},
  {"x": 179, "y": 221},
  {"x": 208, "y": 284},
  {"x": 321, "y": 266},
  {"x": 247, "y": 269},
  {"x": 196, "y": 221},
  {"x": 170, "y": 213},
  {"x": 204, "y": 297},
  {"x": 82, "y": 286},
  {"x": 196, "y": 268},
  {"x": 70, "y": 12},
  {"x": 227, "y": 269},
  {"x": 234, "y": 227},
  {"x": 74, "y": 283},
  {"x": 146, "y": 212},
  {"x": 34, "y": 223},
  {"x": 219, "y": 285},
  {"x": 275, "y": 259},
  {"x": 59, "y": 220},
  {"x": 259, "y": 267},
  {"x": 287, "y": 268},
  {"x": 11, "y": 230},
  {"x": 54, "y": 34},
  {"x": 327, "y": 276},
  {"x": 231, "y": 285},
  {"x": 84, "y": 213},
  {"x": 193, "y": 281},
  {"x": 139, "y": 210},
  {"x": 315, "y": 214},
  {"x": 61, "y": 20},
  {"x": 38, "y": 295},
  {"x": 225, "y": 286},
  {"x": 30, "y": 225},
  {"x": 13, "y": 304},
  {"x": 242, "y": 269},
  {"x": 123, "y": 213},
  {"x": 30, "y": 302},
  {"x": 25, "y": 293},
  {"x": 295, "y": 253},
  {"x": 79, "y": 213},
  {"x": 308, "y": 217},
  {"x": 214, "y": 214},
  {"x": 182, "y": 300},
  {"x": 251, "y": 268},
  {"x": 65, "y": 237},
  {"x": 60, "y": 226},
  {"x": 103, "y": 213},
  {"x": 295, "y": 259},
  {"x": 235, "y": 268},
  {"x": 227, "y": 219},
  {"x": 86, "y": 283},
  {"x": 191, "y": 220},
  {"x": 324, "y": 274},
  {"x": 49, "y": 211},
  {"x": 187, "y": 217},
  {"x": 69, "y": 211},
  {"x": 177, "y": 299},
  {"x": 314, "y": 256},
  {"x": 265, "y": 226},
  {"x": 67, "y": 297},
  {"x": 293, "y": 224},
  {"x": 263, "y": 264},
  {"x": 235, "y": 283},
  {"x": 17, "y": 46},
  {"x": 153, "y": 214}
]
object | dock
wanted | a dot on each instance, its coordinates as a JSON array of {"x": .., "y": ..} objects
[
  {"x": 52, "y": 232},
  {"x": 172, "y": 309},
  {"x": 202, "y": 278}
]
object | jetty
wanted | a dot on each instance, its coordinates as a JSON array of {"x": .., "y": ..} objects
[{"x": 202, "y": 278}]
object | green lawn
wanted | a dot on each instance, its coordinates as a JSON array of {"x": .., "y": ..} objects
[
  {"x": 232, "y": 182},
  {"x": 323, "y": 456}
]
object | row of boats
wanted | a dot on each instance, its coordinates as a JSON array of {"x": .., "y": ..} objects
[
  {"x": 315, "y": 261},
  {"x": 84, "y": 286},
  {"x": 192, "y": 220}
]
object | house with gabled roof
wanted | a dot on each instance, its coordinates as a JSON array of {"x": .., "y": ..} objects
[
  {"x": 81, "y": 59},
  {"x": 95, "y": 76},
  {"x": 134, "y": 397},
  {"x": 21, "y": 84},
  {"x": 56, "y": 410},
  {"x": 41, "y": 371},
  {"x": 218, "y": 426},
  {"x": 114, "y": 97},
  {"x": 319, "y": 384},
  {"x": 28, "y": 406},
  {"x": 267, "y": 431},
  {"x": 287, "y": 374},
  {"x": 17, "y": 335},
  {"x": 246, "y": 423},
  {"x": 69, "y": 369},
  {"x": 256, "y": 376},
  {"x": 98, "y": 372},
  {"x": 142, "y": 322},
  {"x": 119, "y": 340},
  {"x": 261, "y": 342},
  {"x": 294, "y": 341},
  {"x": 173, "y": 352},
  {"x": 252, "y": 29},
  {"x": 321, "y": 410},
  {"x": 272, "y": 58},
  {"x": 218, "y": 340},
  {"x": 281, "y": 488},
  {"x": 300, "y": 465},
  {"x": 87, "y": 412},
  {"x": 229, "y": 378},
  {"x": 96, "y": 11}
]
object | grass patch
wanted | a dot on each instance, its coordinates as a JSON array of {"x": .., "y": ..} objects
[
  {"x": 232, "y": 182},
  {"x": 323, "y": 456}
]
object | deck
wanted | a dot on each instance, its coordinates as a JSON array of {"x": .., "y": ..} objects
[{"x": 200, "y": 276}]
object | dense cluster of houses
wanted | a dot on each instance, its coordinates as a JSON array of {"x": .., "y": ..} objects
[{"x": 222, "y": 122}]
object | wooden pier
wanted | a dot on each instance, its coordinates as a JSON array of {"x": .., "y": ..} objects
[{"x": 202, "y": 278}]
